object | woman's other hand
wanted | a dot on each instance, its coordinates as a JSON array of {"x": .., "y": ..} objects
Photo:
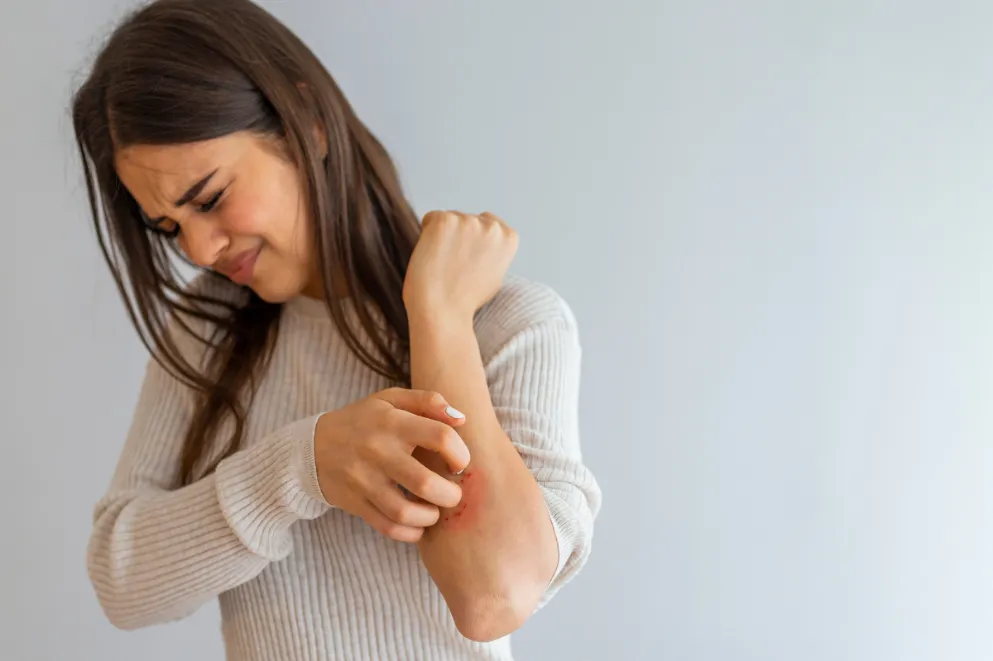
[
  {"x": 459, "y": 263},
  {"x": 365, "y": 450}
]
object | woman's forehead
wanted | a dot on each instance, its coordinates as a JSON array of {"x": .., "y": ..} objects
[{"x": 158, "y": 175}]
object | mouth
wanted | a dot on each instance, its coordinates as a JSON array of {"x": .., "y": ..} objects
[{"x": 240, "y": 268}]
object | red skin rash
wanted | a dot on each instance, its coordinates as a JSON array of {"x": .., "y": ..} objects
[{"x": 463, "y": 515}]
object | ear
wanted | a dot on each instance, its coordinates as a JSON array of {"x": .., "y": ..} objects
[{"x": 320, "y": 137}]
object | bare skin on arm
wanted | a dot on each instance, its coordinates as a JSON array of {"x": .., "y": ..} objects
[
  {"x": 463, "y": 516},
  {"x": 493, "y": 554}
]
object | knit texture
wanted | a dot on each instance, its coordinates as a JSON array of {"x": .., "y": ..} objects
[{"x": 298, "y": 580}]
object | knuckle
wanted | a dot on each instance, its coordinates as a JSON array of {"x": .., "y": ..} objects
[
  {"x": 439, "y": 217},
  {"x": 445, "y": 437},
  {"x": 389, "y": 514},
  {"x": 395, "y": 511},
  {"x": 372, "y": 451},
  {"x": 405, "y": 514},
  {"x": 348, "y": 464},
  {"x": 391, "y": 418},
  {"x": 421, "y": 483},
  {"x": 391, "y": 393}
]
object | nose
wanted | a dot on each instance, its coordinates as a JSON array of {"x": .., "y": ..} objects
[{"x": 203, "y": 241}]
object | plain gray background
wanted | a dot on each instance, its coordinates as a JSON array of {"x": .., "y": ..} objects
[{"x": 772, "y": 220}]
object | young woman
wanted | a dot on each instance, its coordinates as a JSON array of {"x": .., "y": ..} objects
[{"x": 357, "y": 432}]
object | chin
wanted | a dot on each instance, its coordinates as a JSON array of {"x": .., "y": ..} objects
[
  {"x": 272, "y": 292},
  {"x": 270, "y": 296}
]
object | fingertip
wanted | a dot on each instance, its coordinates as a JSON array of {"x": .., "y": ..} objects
[
  {"x": 406, "y": 533},
  {"x": 461, "y": 465},
  {"x": 456, "y": 497}
]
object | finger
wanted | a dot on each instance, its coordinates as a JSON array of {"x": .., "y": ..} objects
[
  {"x": 438, "y": 215},
  {"x": 424, "y": 403},
  {"x": 423, "y": 482},
  {"x": 385, "y": 526},
  {"x": 437, "y": 437},
  {"x": 388, "y": 500},
  {"x": 501, "y": 223}
]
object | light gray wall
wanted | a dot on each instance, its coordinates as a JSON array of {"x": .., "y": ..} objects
[{"x": 773, "y": 223}]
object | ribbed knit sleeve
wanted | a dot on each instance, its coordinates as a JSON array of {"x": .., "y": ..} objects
[
  {"x": 534, "y": 384},
  {"x": 158, "y": 552}
]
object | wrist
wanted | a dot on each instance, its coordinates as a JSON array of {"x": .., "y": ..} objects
[{"x": 439, "y": 317}]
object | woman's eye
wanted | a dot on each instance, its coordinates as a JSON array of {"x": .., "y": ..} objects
[
  {"x": 167, "y": 228},
  {"x": 164, "y": 226},
  {"x": 211, "y": 203}
]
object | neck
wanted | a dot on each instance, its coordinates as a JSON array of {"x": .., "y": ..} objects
[{"x": 315, "y": 286}]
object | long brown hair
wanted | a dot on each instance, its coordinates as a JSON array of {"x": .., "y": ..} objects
[{"x": 180, "y": 71}]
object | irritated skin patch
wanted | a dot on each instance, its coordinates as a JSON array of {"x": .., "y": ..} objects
[{"x": 464, "y": 514}]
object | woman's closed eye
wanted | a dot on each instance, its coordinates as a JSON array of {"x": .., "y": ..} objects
[
  {"x": 165, "y": 226},
  {"x": 210, "y": 204},
  {"x": 169, "y": 227}
]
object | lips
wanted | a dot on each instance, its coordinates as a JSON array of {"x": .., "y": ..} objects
[{"x": 240, "y": 267}]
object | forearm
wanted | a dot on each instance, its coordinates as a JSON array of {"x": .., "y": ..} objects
[
  {"x": 157, "y": 555},
  {"x": 493, "y": 555}
]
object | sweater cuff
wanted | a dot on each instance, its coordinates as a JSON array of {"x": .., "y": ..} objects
[
  {"x": 566, "y": 533},
  {"x": 265, "y": 488}
]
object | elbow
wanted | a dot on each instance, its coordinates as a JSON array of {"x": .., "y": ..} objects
[
  {"x": 123, "y": 614},
  {"x": 112, "y": 600},
  {"x": 111, "y": 595},
  {"x": 484, "y": 619},
  {"x": 488, "y": 619},
  {"x": 121, "y": 604},
  {"x": 110, "y": 603},
  {"x": 122, "y": 620}
]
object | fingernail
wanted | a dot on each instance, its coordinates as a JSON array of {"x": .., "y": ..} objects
[
  {"x": 460, "y": 472},
  {"x": 454, "y": 413}
]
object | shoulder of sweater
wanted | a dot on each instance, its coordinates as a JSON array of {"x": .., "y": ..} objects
[{"x": 520, "y": 305}]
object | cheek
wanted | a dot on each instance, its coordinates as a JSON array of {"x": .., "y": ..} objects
[
  {"x": 243, "y": 219},
  {"x": 272, "y": 215}
]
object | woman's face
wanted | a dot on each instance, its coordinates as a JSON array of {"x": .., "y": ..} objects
[{"x": 236, "y": 205}]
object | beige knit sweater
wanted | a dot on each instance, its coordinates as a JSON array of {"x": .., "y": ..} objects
[{"x": 298, "y": 580}]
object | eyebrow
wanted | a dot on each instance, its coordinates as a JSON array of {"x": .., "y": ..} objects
[
  {"x": 186, "y": 197},
  {"x": 194, "y": 190}
]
